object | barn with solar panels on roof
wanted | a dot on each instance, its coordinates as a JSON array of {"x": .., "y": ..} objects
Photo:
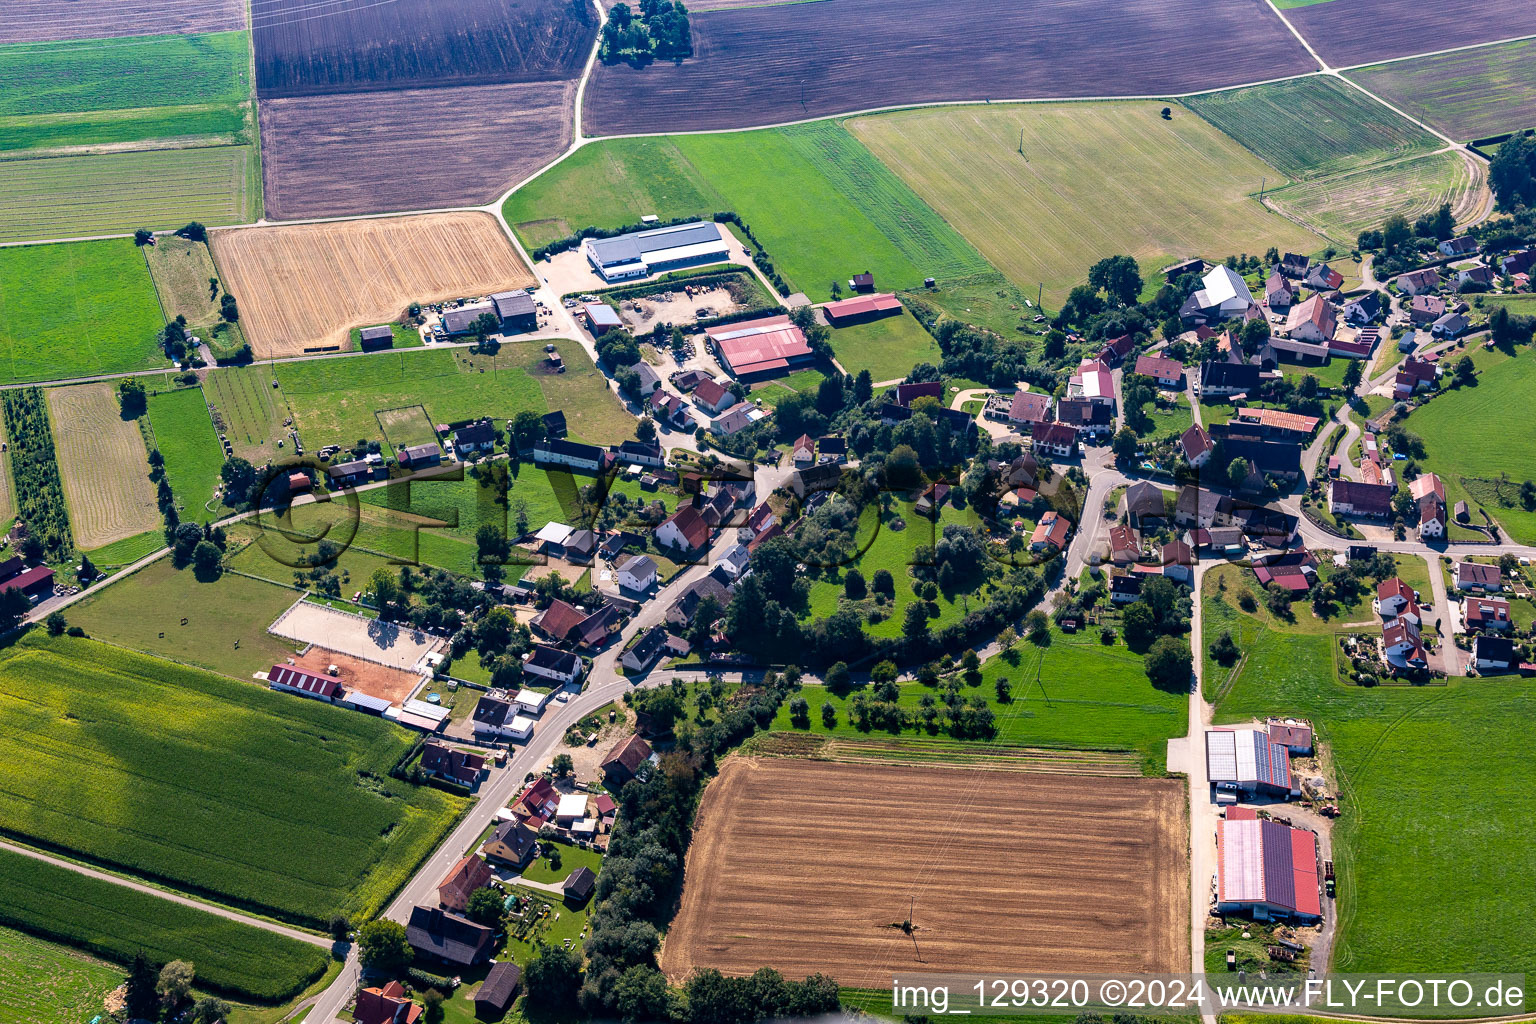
[{"x": 1247, "y": 760}]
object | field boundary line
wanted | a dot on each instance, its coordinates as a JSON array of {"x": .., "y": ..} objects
[{"x": 186, "y": 901}]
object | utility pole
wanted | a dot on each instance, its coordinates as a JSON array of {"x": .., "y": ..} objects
[{"x": 1263, "y": 182}]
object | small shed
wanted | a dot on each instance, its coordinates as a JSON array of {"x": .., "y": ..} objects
[
  {"x": 497, "y": 990},
  {"x": 374, "y": 338}
]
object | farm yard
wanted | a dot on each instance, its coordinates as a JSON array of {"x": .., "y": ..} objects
[
  {"x": 774, "y": 64},
  {"x": 1168, "y": 188},
  {"x": 110, "y": 920},
  {"x": 184, "y": 434},
  {"x": 1312, "y": 127},
  {"x": 360, "y": 46},
  {"x": 1342, "y": 206},
  {"x": 45, "y": 20},
  {"x": 808, "y": 866},
  {"x": 1468, "y": 94},
  {"x": 76, "y": 309},
  {"x": 1350, "y": 32},
  {"x": 1433, "y": 769},
  {"x": 116, "y": 193},
  {"x": 103, "y": 464},
  {"x": 866, "y": 218},
  {"x": 226, "y": 619},
  {"x": 339, "y": 155},
  {"x": 209, "y": 784},
  {"x": 305, "y": 286},
  {"x": 45, "y": 983},
  {"x": 248, "y": 410}
]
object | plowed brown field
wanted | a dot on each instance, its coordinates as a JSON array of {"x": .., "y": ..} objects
[
  {"x": 307, "y": 285},
  {"x": 808, "y": 866},
  {"x": 30, "y": 21},
  {"x": 104, "y": 465}
]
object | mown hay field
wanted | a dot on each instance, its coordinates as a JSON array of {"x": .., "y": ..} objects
[
  {"x": 1468, "y": 94},
  {"x": 340, "y": 155},
  {"x": 46, "y": 983},
  {"x": 305, "y": 286},
  {"x": 262, "y": 800},
  {"x": 1343, "y": 205},
  {"x": 1162, "y": 190},
  {"x": 113, "y": 921},
  {"x": 43, "y": 20},
  {"x": 808, "y": 866},
  {"x": 771, "y": 65},
  {"x": 117, "y": 193},
  {"x": 181, "y": 269},
  {"x": 76, "y": 309},
  {"x": 193, "y": 457},
  {"x": 1310, "y": 127},
  {"x": 102, "y": 460}
]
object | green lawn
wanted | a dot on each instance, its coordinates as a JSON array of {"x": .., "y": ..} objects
[
  {"x": 1329, "y": 375},
  {"x": 1311, "y": 127},
  {"x": 185, "y": 436},
  {"x": 1167, "y": 420},
  {"x": 1439, "y": 771},
  {"x": 1075, "y": 693},
  {"x": 127, "y": 550},
  {"x": 593, "y": 413},
  {"x": 227, "y": 619},
  {"x": 1472, "y": 471},
  {"x": 43, "y": 983},
  {"x": 404, "y": 337},
  {"x": 888, "y": 348},
  {"x": 571, "y": 858},
  {"x": 264, "y": 800},
  {"x": 823, "y": 207},
  {"x": 76, "y": 309},
  {"x": 1468, "y": 94}
]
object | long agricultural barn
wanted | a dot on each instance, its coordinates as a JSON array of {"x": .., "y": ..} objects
[
  {"x": 639, "y": 253},
  {"x": 861, "y": 308},
  {"x": 1266, "y": 869},
  {"x": 761, "y": 348},
  {"x": 1248, "y": 759}
]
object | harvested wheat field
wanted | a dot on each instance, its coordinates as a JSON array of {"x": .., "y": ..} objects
[
  {"x": 304, "y": 287},
  {"x": 104, "y": 466},
  {"x": 808, "y": 866}
]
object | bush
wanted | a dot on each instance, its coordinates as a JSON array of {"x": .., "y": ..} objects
[{"x": 422, "y": 980}]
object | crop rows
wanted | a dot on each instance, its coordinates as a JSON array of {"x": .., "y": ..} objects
[
  {"x": 1343, "y": 205},
  {"x": 1350, "y": 32},
  {"x": 1469, "y": 94},
  {"x": 266, "y": 801},
  {"x": 102, "y": 460},
  {"x": 247, "y": 410},
  {"x": 35, "y": 472},
  {"x": 116, "y": 922},
  {"x": 40, "y": 20}
]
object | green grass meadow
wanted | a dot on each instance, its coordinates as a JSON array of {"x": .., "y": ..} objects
[
  {"x": 1434, "y": 782},
  {"x": 185, "y": 436},
  {"x": 45, "y": 983},
  {"x": 259, "y": 799},
  {"x": 823, "y": 206},
  {"x": 888, "y": 348},
  {"x": 76, "y": 309}
]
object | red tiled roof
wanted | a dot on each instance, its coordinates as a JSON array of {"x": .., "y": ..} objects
[
  {"x": 906, "y": 394},
  {"x": 1054, "y": 433},
  {"x": 559, "y": 619},
  {"x": 1159, "y": 366},
  {"x": 691, "y": 525},
  {"x": 1029, "y": 407},
  {"x": 1393, "y": 587},
  {"x": 1195, "y": 442},
  {"x": 709, "y": 392}
]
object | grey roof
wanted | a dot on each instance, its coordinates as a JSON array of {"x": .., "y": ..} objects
[
  {"x": 638, "y": 245},
  {"x": 373, "y": 333},
  {"x": 352, "y": 468},
  {"x": 457, "y": 321},
  {"x": 499, "y": 985},
  {"x": 510, "y": 304}
]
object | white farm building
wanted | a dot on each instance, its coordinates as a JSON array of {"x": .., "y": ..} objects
[{"x": 640, "y": 253}]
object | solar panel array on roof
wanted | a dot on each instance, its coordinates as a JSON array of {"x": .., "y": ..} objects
[{"x": 1246, "y": 757}]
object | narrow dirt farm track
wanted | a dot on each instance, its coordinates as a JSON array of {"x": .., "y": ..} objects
[
  {"x": 765, "y": 65},
  {"x": 808, "y": 866}
]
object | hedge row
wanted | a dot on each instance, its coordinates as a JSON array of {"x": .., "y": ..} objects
[{"x": 116, "y": 922}]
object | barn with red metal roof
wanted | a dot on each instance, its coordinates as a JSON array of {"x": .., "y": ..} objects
[
  {"x": 758, "y": 348},
  {"x": 1266, "y": 869}
]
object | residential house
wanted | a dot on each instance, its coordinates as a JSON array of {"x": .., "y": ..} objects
[
  {"x": 649, "y": 379},
  {"x": 1023, "y": 471},
  {"x": 1200, "y": 508},
  {"x": 1323, "y": 278},
  {"x": 1278, "y": 295},
  {"x": 687, "y": 380},
  {"x": 712, "y": 397},
  {"x": 449, "y": 763},
  {"x": 436, "y": 934},
  {"x": 1392, "y": 596},
  {"x": 1414, "y": 375},
  {"x": 1294, "y": 265},
  {"x": 624, "y": 758},
  {"x": 1428, "y": 492},
  {"x": 346, "y": 474},
  {"x": 596, "y": 629},
  {"x": 419, "y": 456},
  {"x": 1494, "y": 653},
  {"x": 1475, "y": 276},
  {"x": 495, "y": 719},
  {"x": 1051, "y": 532},
  {"x": 1168, "y": 373},
  {"x": 389, "y": 1004},
  {"x": 586, "y": 458},
  {"x": 1367, "y": 309},
  {"x": 1425, "y": 309},
  {"x": 1220, "y": 379},
  {"x": 1124, "y": 548},
  {"x": 1451, "y": 325},
  {"x": 1313, "y": 320},
  {"x": 735, "y": 419},
  {"x": 1113, "y": 352},
  {"x": 469, "y": 874},
  {"x": 1419, "y": 281},
  {"x": 684, "y": 531},
  {"x": 648, "y": 454},
  {"x": 1124, "y": 588},
  {"x": 1178, "y": 561},
  {"x": 1518, "y": 263},
  {"x": 477, "y": 438},
  {"x": 1087, "y": 416},
  {"x": 1352, "y": 498},
  {"x": 1403, "y": 645},
  {"x": 715, "y": 586},
  {"x": 907, "y": 393},
  {"x": 552, "y": 664},
  {"x": 513, "y": 842},
  {"x": 803, "y": 451},
  {"x": 643, "y": 652},
  {"x": 1058, "y": 440},
  {"x": 1093, "y": 382},
  {"x": 1197, "y": 445},
  {"x": 760, "y": 519},
  {"x": 1265, "y": 458},
  {"x": 1477, "y": 576},
  {"x": 1144, "y": 507},
  {"x": 1458, "y": 246},
  {"x": 667, "y": 408},
  {"x": 1487, "y": 613},
  {"x": 1029, "y": 408},
  {"x": 823, "y": 477},
  {"x": 637, "y": 574},
  {"x": 557, "y": 622},
  {"x": 931, "y": 501},
  {"x": 864, "y": 282}
]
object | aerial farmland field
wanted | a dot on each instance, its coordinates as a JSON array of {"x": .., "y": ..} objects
[
  {"x": 103, "y": 464},
  {"x": 1468, "y": 94},
  {"x": 249, "y": 411},
  {"x": 117, "y": 193},
  {"x": 1350, "y": 32},
  {"x": 45, "y": 983},
  {"x": 43, "y": 20},
  {"x": 341, "y": 154},
  {"x": 1164, "y": 189},
  {"x": 768, "y": 65},
  {"x": 1343, "y": 205},
  {"x": 362, "y": 46},
  {"x": 808, "y": 866},
  {"x": 181, "y": 269},
  {"x": 217, "y": 786},
  {"x": 306, "y": 286},
  {"x": 193, "y": 457},
  {"x": 1311, "y": 127},
  {"x": 888, "y": 348},
  {"x": 76, "y": 309}
]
